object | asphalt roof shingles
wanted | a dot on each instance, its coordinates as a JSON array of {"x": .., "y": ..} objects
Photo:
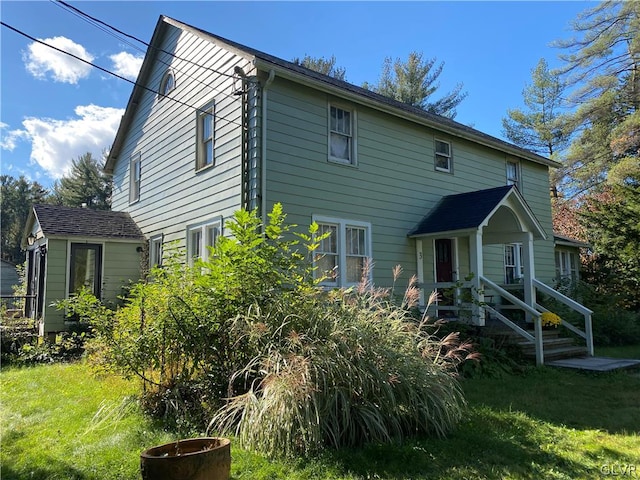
[
  {"x": 84, "y": 222},
  {"x": 461, "y": 211}
]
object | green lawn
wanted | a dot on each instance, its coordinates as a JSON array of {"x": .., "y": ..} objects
[{"x": 545, "y": 424}]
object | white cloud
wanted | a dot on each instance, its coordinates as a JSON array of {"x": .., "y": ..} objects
[
  {"x": 126, "y": 64},
  {"x": 9, "y": 139},
  {"x": 55, "y": 143},
  {"x": 41, "y": 60}
]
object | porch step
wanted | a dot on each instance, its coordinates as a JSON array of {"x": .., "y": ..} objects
[{"x": 555, "y": 347}]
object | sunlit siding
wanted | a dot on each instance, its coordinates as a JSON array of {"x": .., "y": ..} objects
[
  {"x": 394, "y": 183},
  {"x": 173, "y": 194}
]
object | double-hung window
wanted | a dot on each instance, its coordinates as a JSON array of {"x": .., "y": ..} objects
[
  {"x": 443, "y": 159},
  {"x": 342, "y": 256},
  {"x": 513, "y": 173},
  {"x": 205, "y": 135},
  {"x": 341, "y": 135},
  {"x": 135, "y": 174},
  {"x": 200, "y": 238},
  {"x": 513, "y": 266}
]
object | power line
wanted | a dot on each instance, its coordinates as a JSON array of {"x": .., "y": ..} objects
[
  {"x": 109, "y": 29},
  {"x": 133, "y": 37},
  {"x": 155, "y": 92}
]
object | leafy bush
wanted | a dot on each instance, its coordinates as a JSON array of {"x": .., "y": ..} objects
[{"x": 301, "y": 367}]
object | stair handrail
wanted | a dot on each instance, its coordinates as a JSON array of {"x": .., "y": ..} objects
[
  {"x": 569, "y": 302},
  {"x": 512, "y": 298},
  {"x": 537, "y": 322}
]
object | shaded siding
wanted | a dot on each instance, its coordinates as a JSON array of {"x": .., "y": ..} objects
[
  {"x": 8, "y": 278},
  {"x": 394, "y": 183},
  {"x": 172, "y": 194},
  {"x": 121, "y": 267},
  {"x": 56, "y": 284}
]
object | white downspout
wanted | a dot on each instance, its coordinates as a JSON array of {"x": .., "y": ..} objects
[{"x": 263, "y": 145}]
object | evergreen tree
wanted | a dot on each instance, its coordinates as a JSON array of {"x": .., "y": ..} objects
[
  {"x": 541, "y": 128},
  {"x": 414, "y": 82},
  {"x": 326, "y": 66},
  {"x": 18, "y": 195},
  {"x": 86, "y": 184},
  {"x": 602, "y": 63},
  {"x": 611, "y": 218}
]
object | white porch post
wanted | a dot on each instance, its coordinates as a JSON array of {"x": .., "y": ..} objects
[
  {"x": 529, "y": 273},
  {"x": 477, "y": 268},
  {"x": 420, "y": 269}
]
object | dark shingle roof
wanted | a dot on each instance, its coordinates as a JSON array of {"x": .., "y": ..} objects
[
  {"x": 84, "y": 222},
  {"x": 461, "y": 211}
]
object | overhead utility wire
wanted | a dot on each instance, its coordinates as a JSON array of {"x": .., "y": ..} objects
[
  {"x": 200, "y": 110},
  {"x": 133, "y": 37},
  {"x": 97, "y": 23}
]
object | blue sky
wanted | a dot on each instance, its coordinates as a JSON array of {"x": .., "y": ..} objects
[{"x": 54, "y": 109}]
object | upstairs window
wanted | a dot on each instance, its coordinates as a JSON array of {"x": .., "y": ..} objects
[
  {"x": 513, "y": 173},
  {"x": 341, "y": 135},
  {"x": 167, "y": 83},
  {"x": 344, "y": 254},
  {"x": 443, "y": 156},
  {"x": 200, "y": 238},
  {"x": 135, "y": 178},
  {"x": 205, "y": 137}
]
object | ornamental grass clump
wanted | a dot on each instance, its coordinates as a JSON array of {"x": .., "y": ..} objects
[{"x": 340, "y": 369}]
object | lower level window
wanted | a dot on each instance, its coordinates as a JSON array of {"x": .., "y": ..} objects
[
  {"x": 566, "y": 265},
  {"x": 85, "y": 268},
  {"x": 200, "y": 238},
  {"x": 513, "y": 267},
  {"x": 343, "y": 255},
  {"x": 155, "y": 251}
]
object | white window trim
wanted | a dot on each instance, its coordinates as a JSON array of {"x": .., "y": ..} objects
[
  {"x": 567, "y": 265},
  {"x": 153, "y": 241},
  {"x": 518, "y": 264},
  {"x": 203, "y": 228},
  {"x": 518, "y": 180},
  {"x": 134, "y": 188},
  {"x": 449, "y": 157},
  {"x": 342, "y": 225},
  {"x": 163, "y": 83},
  {"x": 207, "y": 109},
  {"x": 353, "y": 161}
]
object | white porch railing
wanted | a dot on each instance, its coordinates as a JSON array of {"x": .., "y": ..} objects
[
  {"x": 587, "y": 334},
  {"x": 537, "y": 323},
  {"x": 458, "y": 305}
]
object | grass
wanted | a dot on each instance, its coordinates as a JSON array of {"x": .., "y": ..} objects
[
  {"x": 625, "y": 351},
  {"x": 546, "y": 423}
]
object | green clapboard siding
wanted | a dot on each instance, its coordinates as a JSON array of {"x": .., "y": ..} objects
[
  {"x": 173, "y": 195},
  {"x": 56, "y": 284},
  {"x": 394, "y": 183}
]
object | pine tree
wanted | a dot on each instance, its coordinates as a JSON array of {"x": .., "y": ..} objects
[
  {"x": 326, "y": 66},
  {"x": 86, "y": 184},
  {"x": 415, "y": 81}
]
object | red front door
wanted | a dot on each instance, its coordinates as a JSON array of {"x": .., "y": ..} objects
[{"x": 444, "y": 260}]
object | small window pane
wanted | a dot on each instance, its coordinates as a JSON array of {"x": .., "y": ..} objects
[
  {"x": 442, "y": 147},
  {"x": 340, "y": 146},
  {"x": 355, "y": 267}
]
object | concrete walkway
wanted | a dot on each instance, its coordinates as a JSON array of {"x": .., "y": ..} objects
[{"x": 596, "y": 364}]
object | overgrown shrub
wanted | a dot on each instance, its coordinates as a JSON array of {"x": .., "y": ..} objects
[{"x": 302, "y": 368}]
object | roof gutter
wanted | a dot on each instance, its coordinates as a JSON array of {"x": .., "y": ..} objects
[{"x": 480, "y": 138}]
